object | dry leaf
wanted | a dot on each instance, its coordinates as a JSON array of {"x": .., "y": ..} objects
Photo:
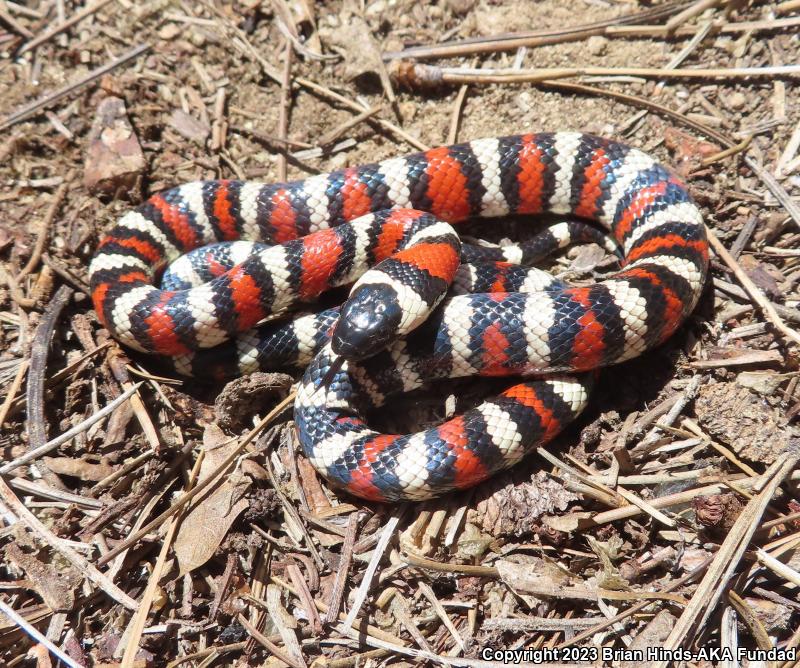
[
  {"x": 688, "y": 151},
  {"x": 609, "y": 577},
  {"x": 210, "y": 516},
  {"x": 472, "y": 542},
  {"x": 79, "y": 468},
  {"x": 568, "y": 523}
]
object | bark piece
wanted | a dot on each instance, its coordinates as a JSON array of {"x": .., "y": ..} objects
[
  {"x": 741, "y": 419},
  {"x": 114, "y": 158},
  {"x": 516, "y": 509},
  {"x": 56, "y": 586},
  {"x": 189, "y": 127},
  {"x": 244, "y": 396},
  {"x": 652, "y": 635}
]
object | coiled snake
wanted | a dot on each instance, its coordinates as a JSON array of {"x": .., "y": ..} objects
[{"x": 386, "y": 227}]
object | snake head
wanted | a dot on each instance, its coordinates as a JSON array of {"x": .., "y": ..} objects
[{"x": 368, "y": 322}]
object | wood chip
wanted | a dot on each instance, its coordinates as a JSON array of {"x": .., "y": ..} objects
[{"x": 114, "y": 159}]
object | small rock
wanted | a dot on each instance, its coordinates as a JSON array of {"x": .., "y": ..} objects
[
  {"x": 189, "y": 127},
  {"x": 460, "y": 7},
  {"x": 198, "y": 39},
  {"x": 596, "y": 45},
  {"x": 114, "y": 159},
  {"x": 111, "y": 85},
  {"x": 525, "y": 101},
  {"x": 165, "y": 92},
  {"x": 735, "y": 100},
  {"x": 361, "y": 58},
  {"x": 376, "y": 8},
  {"x": 339, "y": 161},
  {"x": 408, "y": 110},
  {"x": 170, "y": 31}
]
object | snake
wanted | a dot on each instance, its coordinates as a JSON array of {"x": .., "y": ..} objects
[{"x": 423, "y": 304}]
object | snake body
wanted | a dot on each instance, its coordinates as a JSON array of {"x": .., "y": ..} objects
[{"x": 384, "y": 227}]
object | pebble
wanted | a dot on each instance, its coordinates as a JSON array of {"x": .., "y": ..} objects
[
  {"x": 197, "y": 38},
  {"x": 189, "y": 127},
  {"x": 169, "y": 31},
  {"x": 735, "y": 100},
  {"x": 460, "y": 7},
  {"x": 596, "y": 45},
  {"x": 524, "y": 101}
]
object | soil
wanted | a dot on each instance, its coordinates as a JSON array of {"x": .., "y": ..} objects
[{"x": 620, "y": 518}]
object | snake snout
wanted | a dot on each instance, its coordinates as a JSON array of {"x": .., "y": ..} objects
[{"x": 368, "y": 322}]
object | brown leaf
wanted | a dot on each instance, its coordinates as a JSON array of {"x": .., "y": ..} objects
[
  {"x": 211, "y": 515},
  {"x": 688, "y": 151},
  {"x": 569, "y": 522},
  {"x": 78, "y": 468}
]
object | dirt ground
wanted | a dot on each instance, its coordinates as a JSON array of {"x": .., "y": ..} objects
[{"x": 667, "y": 516}]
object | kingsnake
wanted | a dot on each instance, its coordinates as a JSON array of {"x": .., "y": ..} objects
[{"x": 393, "y": 216}]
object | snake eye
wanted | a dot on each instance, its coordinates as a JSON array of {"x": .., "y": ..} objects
[{"x": 368, "y": 322}]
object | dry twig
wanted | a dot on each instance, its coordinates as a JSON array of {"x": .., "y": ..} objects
[
  {"x": 65, "y": 25},
  {"x": 60, "y": 546},
  {"x": 727, "y": 558},
  {"x": 212, "y": 479},
  {"x": 44, "y": 102}
]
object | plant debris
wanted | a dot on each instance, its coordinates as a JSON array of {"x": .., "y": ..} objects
[{"x": 150, "y": 521}]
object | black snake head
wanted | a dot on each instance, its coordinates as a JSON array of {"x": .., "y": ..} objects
[{"x": 368, "y": 322}]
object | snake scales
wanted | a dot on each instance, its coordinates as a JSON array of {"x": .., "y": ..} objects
[{"x": 385, "y": 226}]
